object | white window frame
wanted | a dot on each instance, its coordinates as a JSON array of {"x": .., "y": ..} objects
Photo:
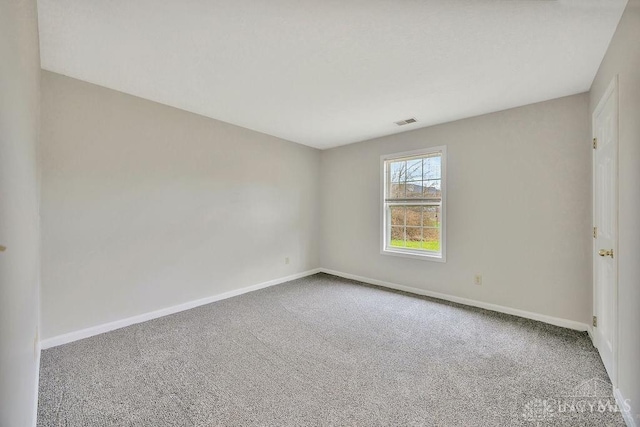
[{"x": 385, "y": 226}]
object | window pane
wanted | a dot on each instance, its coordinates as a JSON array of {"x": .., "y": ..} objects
[
  {"x": 432, "y": 189},
  {"x": 397, "y": 236},
  {"x": 415, "y": 227},
  {"x": 414, "y": 190},
  {"x": 432, "y": 167},
  {"x": 414, "y": 216},
  {"x": 431, "y": 239},
  {"x": 414, "y": 237},
  {"x": 414, "y": 170},
  {"x": 397, "y": 171},
  {"x": 431, "y": 216},
  {"x": 397, "y": 215},
  {"x": 396, "y": 191}
]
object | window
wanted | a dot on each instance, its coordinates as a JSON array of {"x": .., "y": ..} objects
[{"x": 414, "y": 204}]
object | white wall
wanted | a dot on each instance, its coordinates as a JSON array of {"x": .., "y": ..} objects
[
  {"x": 623, "y": 59},
  {"x": 19, "y": 221},
  {"x": 519, "y": 209},
  {"x": 145, "y": 206}
]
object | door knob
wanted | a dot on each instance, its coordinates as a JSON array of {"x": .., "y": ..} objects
[
  {"x": 3, "y": 248},
  {"x": 605, "y": 252}
]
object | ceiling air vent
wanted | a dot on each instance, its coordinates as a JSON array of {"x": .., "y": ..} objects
[{"x": 406, "y": 122}]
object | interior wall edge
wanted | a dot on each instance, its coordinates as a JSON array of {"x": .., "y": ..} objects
[
  {"x": 621, "y": 402},
  {"x": 38, "y": 351}
]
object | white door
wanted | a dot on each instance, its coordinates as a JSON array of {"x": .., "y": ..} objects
[{"x": 605, "y": 214}]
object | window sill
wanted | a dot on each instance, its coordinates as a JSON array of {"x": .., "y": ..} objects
[{"x": 437, "y": 257}]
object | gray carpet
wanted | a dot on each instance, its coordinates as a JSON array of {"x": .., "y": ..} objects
[{"x": 327, "y": 351}]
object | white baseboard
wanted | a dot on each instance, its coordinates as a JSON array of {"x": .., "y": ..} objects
[
  {"x": 590, "y": 332},
  {"x": 107, "y": 327},
  {"x": 627, "y": 415},
  {"x": 565, "y": 323}
]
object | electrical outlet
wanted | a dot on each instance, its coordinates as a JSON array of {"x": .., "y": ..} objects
[
  {"x": 477, "y": 279},
  {"x": 286, "y": 260}
]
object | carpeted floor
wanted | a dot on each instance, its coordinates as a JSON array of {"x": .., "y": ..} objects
[{"x": 327, "y": 351}]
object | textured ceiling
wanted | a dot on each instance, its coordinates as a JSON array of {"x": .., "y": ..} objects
[{"x": 332, "y": 72}]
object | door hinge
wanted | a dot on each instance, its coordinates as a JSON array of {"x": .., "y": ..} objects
[
  {"x": 595, "y": 143},
  {"x": 595, "y": 232},
  {"x": 595, "y": 321}
]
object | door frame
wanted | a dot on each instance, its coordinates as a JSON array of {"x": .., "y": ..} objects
[{"x": 612, "y": 90}]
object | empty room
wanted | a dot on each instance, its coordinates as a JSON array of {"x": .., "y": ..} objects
[{"x": 304, "y": 213}]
